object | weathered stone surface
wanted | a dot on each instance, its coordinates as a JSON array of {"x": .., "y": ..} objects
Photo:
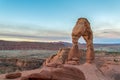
[
  {"x": 57, "y": 59},
  {"x": 61, "y": 73},
  {"x": 91, "y": 72},
  {"x": 74, "y": 55},
  {"x": 13, "y": 75},
  {"x": 53, "y": 67},
  {"x": 111, "y": 71},
  {"x": 82, "y": 29},
  {"x": 71, "y": 72}
]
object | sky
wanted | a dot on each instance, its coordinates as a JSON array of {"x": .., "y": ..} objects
[{"x": 53, "y": 20}]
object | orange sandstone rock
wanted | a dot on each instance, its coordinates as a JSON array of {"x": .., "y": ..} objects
[
  {"x": 54, "y": 69},
  {"x": 58, "y": 59},
  {"x": 61, "y": 73},
  {"x": 13, "y": 75},
  {"x": 82, "y": 29}
]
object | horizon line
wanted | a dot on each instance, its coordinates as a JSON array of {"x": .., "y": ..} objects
[{"x": 54, "y": 42}]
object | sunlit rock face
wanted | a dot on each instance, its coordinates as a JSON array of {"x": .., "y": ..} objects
[
  {"x": 57, "y": 59},
  {"x": 65, "y": 65},
  {"x": 82, "y": 29},
  {"x": 59, "y": 73}
]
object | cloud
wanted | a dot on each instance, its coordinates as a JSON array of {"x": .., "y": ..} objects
[
  {"x": 104, "y": 32},
  {"x": 107, "y": 33},
  {"x": 106, "y": 26},
  {"x": 31, "y": 30},
  {"x": 32, "y": 37},
  {"x": 31, "y": 33}
]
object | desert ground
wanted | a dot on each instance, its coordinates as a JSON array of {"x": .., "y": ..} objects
[
  {"x": 30, "y": 61},
  {"x": 20, "y": 60}
]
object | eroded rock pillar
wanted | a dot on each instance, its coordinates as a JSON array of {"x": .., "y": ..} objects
[
  {"x": 82, "y": 29},
  {"x": 74, "y": 55}
]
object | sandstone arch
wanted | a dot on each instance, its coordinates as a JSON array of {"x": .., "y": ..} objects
[{"x": 82, "y": 29}]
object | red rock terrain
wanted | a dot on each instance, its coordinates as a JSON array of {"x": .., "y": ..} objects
[
  {"x": 15, "y": 64},
  {"x": 91, "y": 72},
  {"x": 12, "y": 45},
  {"x": 104, "y": 68}
]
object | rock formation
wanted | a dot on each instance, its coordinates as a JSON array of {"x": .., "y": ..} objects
[
  {"x": 60, "y": 73},
  {"x": 54, "y": 67},
  {"x": 74, "y": 55},
  {"x": 82, "y": 29},
  {"x": 57, "y": 59},
  {"x": 13, "y": 75}
]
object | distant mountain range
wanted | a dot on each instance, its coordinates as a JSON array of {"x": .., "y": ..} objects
[{"x": 14, "y": 45}]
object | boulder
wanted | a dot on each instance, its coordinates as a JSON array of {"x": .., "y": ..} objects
[
  {"x": 13, "y": 75},
  {"x": 59, "y": 73},
  {"x": 57, "y": 59}
]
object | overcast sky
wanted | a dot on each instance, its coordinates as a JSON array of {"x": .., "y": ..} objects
[{"x": 53, "y": 20}]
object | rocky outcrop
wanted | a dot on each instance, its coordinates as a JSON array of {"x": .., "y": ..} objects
[
  {"x": 82, "y": 29},
  {"x": 59, "y": 73},
  {"x": 74, "y": 55},
  {"x": 55, "y": 66},
  {"x": 111, "y": 70},
  {"x": 71, "y": 72},
  {"x": 13, "y": 75},
  {"x": 57, "y": 59},
  {"x": 90, "y": 71}
]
